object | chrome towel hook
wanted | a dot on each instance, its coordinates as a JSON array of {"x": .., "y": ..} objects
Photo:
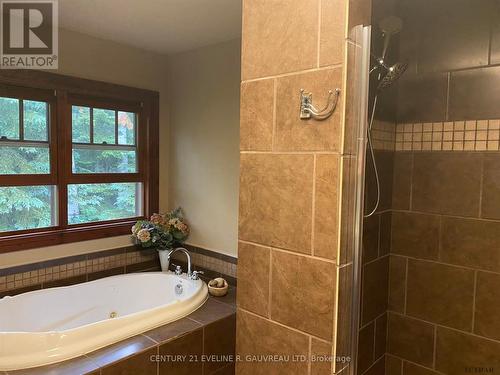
[{"x": 308, "y": 110}]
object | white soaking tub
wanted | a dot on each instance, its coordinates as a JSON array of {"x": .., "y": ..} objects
[{"x": 52, "y": 325}]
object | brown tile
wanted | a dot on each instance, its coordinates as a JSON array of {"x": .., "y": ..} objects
[
  {"x": 371, "y": 231},
  {"x": 321, "y": 352},
  {"x": 276, "y": 190},
  {"x": 401, "y": 189},
  {"x": 422, "y": 97},
  {"x": 344, "y": 312},
  {"x": 483, "y": 81},
  {"x": 412, "y": 369},
  {"x": 393, "y": 365},
  {"x": 326, "y": 206},
  {"x": 294, "y": 134},
  {"x": 332, "y": 32},
  {"x": 410, "y": 339},
  {"x": 397, "y": 284},
  {"x": 487, "y": 313},
  {"x": 471, "y": 243},
  {"x": 378, "y": 368},
  {"x": 380, "y": 336},
  {"x": 365, "y": 347},
  {"x": 258, "y": 336},
  {"x": 447, "y": 183},
  {"x": 172, "y": 330},
  {"x": 219, "y": 341},
  {"x": 415, "y": 235},
  {"x": 106, "y": 273},
  {"x": 79, "y": 365},
  {"x": 65, "y": 282},
  {"x": 15, "y": 292},
  {"x": 190, "y": 347},
  {"x": 212, "y": 311},
  {"x": 490, "y": 202},
  {"x": 457, "y": 353},
  {"x": 138, "y": 364},
  {"x": 352, "y": 105},
  {"x": 227, "y": 370},
  {"x": 256, "y": 115},
  {"x": 359, "y": 12},
  {"x": 271, "y": 33},
  {"x": 375, "y": 289},
  {"x": 150, "y": 265},
  {"x": 121, "y": 350},
  {"x": 347, "y": 231},
  {"x": 253, "y": 278},
  {"x": 230, "y": 297},
  {"x": 385, "y": 233},
  {"x": 432, "y": 288},
  {"x": 311, "y": 309}
]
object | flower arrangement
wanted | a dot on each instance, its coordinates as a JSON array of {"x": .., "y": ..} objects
[{"x": 161, "y": 231}]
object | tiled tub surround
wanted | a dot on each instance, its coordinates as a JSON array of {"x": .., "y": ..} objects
[
  {"x": 205, "y": 339},
  {"x": 88, "y": 267}
]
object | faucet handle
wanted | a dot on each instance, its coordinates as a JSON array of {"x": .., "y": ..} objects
[
  {"x": 178, "y": 269},
  {"x": 195, "y": 274}
]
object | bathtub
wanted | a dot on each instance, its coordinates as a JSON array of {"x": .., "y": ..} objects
[{"x": 52, "y": 325}]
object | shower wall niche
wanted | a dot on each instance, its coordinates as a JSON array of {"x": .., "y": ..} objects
[{"x": 431, "y": 255}]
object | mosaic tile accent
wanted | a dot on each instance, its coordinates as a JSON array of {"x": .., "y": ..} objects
[
  {"x": 472, "y": 135},
  {"x": 383, "y": 135}
]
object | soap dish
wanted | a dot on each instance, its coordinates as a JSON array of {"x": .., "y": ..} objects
[{"x": 218, "y": 287}]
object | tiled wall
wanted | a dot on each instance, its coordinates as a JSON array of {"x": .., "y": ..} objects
[{"x": 290, "y": 270}]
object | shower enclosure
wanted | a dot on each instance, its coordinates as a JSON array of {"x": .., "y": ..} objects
[{"x": 426, "y": 228}]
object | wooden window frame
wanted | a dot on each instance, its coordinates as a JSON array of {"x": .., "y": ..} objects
[{"x": 61, "y": 92}]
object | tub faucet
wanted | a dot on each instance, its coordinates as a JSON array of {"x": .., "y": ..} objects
[{"x": 183, "y": 250}]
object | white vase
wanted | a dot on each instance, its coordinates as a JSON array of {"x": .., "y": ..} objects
[{"x": 164, "y": 260}]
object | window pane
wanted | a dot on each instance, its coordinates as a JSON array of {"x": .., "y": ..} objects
[
  {"x": 104, "y": 126},
  {"x": 24, "y": 160},
  {"x": 103, "y": 161},
  {"x": 27, "y": 207},
  {"x": 35, "y": 120},
  {"x": 126, "y": 128},
  {"x": 100, "y": 202},
  {"x": 80, "y": 124},
  {"x": 9, "y": 118}
]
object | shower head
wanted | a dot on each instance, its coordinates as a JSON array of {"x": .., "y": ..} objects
[{"x": 393, "y": 74}]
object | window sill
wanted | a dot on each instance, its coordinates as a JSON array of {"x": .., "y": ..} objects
[{"x": 57, "y": 236}]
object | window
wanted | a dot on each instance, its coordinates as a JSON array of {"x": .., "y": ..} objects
[{"x": 73, "y": 165}]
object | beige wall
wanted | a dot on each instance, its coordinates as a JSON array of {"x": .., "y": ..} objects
[
  {"x": 88, "y": 57},
  {"x": 204, "y": 143}
]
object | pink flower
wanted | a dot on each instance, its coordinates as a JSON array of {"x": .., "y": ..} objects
[{"x": 143, "y": 235}]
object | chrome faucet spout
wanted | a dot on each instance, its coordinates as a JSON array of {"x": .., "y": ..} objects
[{"x": 188, "y": 256}]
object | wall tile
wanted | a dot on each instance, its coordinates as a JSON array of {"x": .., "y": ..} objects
[
  {"x": 253, "y": 278},
  {"x": 332, "y": 32},
  {"x": 258, "y": 336},
  {"x": 413, "y": 369},
  {"x": 457, "y": 352},
  {"x": 294, "y": 134},
  {"x": 311, "y": 309},
  {"x": 271, "y": 32},
  {"x": 397, "y": 284},
  {"x": 375, "y": 289},
  {"x": 415, "y": 235},
  {"x": 393, "y": 365},
  {"x": 495, "y": 41},
  {"x": 380, "y": 336},
  {"x": 485, "y": 84},
  {"x": 490, "y": 203},
  {"x": 347, "y": 211},
  {"x": 321, "y": 349},
  {"x": 385, "y": 233},
  {"x": 256, "y": 115},
  {"x": 344, "y": 311},
  {"x": 411, "y": 339},
  {"x": 447, "y": 183},
  {"x": 384, "y": 160},
  {"x": 423, "y": 97},
  {"x": 377, "y": 369},
  {"x": 326, "y": 206},
  {"x": 190, "y": 344},
  {"x": 401, "y": 189},
  {"x": 371, "y": 231},
  {"x": 276, "y": 200},
  {"x": 487, "y": 313},
  {"x": 139, "y": 364},
  {"x": 433, "y": 288},
  {"x": 471, "y": 243},
  {"x": 219, "y": 340},
  {"x": 365, "y": 347}
]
